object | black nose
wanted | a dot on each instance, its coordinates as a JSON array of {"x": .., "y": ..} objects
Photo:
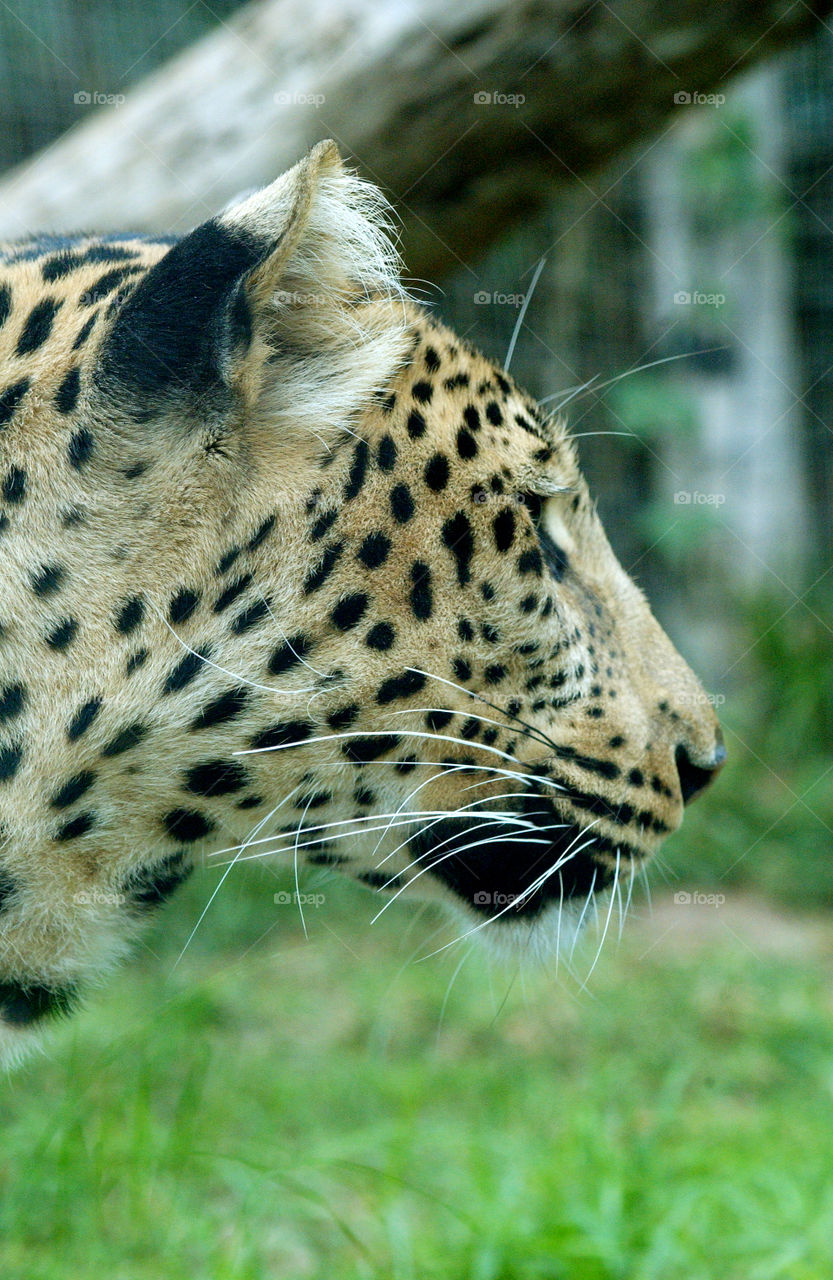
[{"x": 694, "y": 778}]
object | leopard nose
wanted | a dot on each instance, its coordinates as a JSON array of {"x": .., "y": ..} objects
[{"x": 694, "y": 777}]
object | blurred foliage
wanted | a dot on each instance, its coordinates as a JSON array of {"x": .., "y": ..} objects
[
  {"x": 768, "y": 821},
  {"x": 324, "y": 1107},
  {"x": 722, "y": 177}
]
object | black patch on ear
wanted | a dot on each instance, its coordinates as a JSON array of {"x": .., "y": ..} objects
[{"x": 174, "y": 334}]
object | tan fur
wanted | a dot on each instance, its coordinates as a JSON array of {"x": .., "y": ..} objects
[{"x": 318, "y": 378}]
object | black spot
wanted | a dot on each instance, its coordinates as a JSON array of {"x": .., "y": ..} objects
[
  {"x": 415, "y": 424},
  {"x": 216, "y": 778},
  {"x": 437, "y": 472},
  {"x": 349, "y": 612},
  {"x": 76, "y": 827},
  {"x": 432, "y": 360},
  {"x": 458, "y": 537},
  {"x": 530, "y": 562},
  {"x": 402, "y": 686},
  {"x": 343, "y": 718},
  {"x": 183, "y": 605},
  {"x": 421, "y": 595},
  {"x": 80, "y": 449},
  {"x": 319, "y": 575},
  {"x": 125, "y": 740},
  {"x": 555, "y": 556},
  {"x": 62, "y": 636},
  {"x": 227, "y": 561},
  {"x": 504, "y": 529},
  {"x": 38, "y": 325},
  {"x": 187, "y": 825},
  {"x": 401, "y": 503},
  {"x": 149, "y": 887},
  {"x": 437, "y": 719},
  {"x": 465, "y": 630},
  {"x": 85, "y": 331},
  {"x": 290, "y": 653},
  {"x": 10, "y": 758},
  {"x": 130, "y": 615},
  {"x": 12, "y": 701},
  {"x": 461, "y": 668},
  {"x": 136, "y": 660},
  {"x": 471, "y": 418},
  {"x": 83, "y": 718},
  {"x": 386, "y": 453},
  {"x": 466, "y": 444},
  {"x": 73, "y": 790},
  {"x": 5, "y": 303},
  {"x": 47, "y": 579},
  {"x": 66, "y": 397},
  {"x": 494, "y": 673},
  {"x": 422, "y": 392},
  {"x": 21, "y": 1004},
  {"x": 14, "y": 485},
  {"x": 185, "y": 671},
  {"x": 358, "y": 471},
  {"x": 250, "y": 617},
  {"x": 323, "y": 524},
  {"x": 363, "y": 750},
  {"x": 225, "y": 707},
  {"x": 232, "y": 591},
  {"x": 10, "y": 398},
  {"x": 494, "y": 414},
  {"x": 380, "y": 636},
  {"x": 374, "y": 550},
  {"x": 528, "y": 604},
  {"x": 290, "y": 733},
  {"x": 261, "y": 533}
]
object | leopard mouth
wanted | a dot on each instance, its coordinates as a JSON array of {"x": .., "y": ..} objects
[{"x": 514, "y": 871}]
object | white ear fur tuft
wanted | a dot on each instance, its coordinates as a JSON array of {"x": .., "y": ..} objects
[{"x": 327, "y": 301}]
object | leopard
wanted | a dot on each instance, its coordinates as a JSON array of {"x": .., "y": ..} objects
[{"x": 290, "y": 570}]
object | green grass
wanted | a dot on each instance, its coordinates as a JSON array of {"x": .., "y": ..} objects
[{"x": 276, "y": 1106}]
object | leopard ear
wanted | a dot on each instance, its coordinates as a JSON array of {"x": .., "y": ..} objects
[{"x": 287, "y": 304}]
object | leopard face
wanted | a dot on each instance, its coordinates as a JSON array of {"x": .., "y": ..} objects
[{"x": 289, "y": 569}]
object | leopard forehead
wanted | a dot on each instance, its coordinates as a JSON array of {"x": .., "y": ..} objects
[{"x": 289, "y": 567}]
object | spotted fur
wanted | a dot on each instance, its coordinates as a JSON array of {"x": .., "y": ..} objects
[{"x": 286, "y": 566}]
